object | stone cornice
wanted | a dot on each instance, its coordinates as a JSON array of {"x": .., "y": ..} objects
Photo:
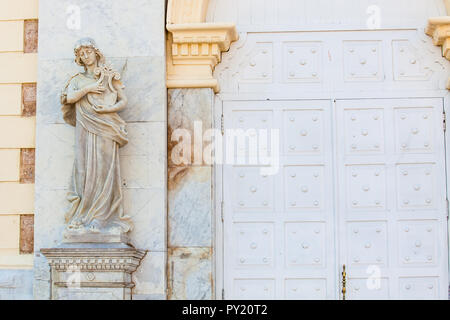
[
  {"x": 439, "y": 29},
  {"x": 194, "y": 49},
  {"x": 90, "y": 259}
]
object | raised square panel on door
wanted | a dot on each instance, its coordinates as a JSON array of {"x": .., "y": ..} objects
[
  {"x": 414, "y": 129},
  {"x": 367, "y": 243},
  {"x": 418, "y": 288},
  {"x": 302, "y": 61},
  {"x": 367, "y": 289},
  {"x": 250, "y": 289},
  {"x": 418, "y": 243},
  {"x": 258, "y": 66},
  {"x": 409, "y": 63},
  {"x": 364, "y": 131},
  {"x": 247, "y": 126},
  {"x": 252, "y": 189},
  {"x": 366, "y": 187},
  {"x": 304, "y": 188},
  {"x": 305, "y": 289},
  {"x": 416, "y": 186},
  {"x": 305, "y": 244},
  {"x": 303, "y": 131},
  {"x": 362, "y": 60},
  {"x": 253, "y": 244}
]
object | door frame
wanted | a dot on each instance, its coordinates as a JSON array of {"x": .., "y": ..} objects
[{"x": 218, "y": 226}]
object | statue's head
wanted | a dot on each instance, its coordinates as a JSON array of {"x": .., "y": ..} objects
[{"x": 87, "y": 53}]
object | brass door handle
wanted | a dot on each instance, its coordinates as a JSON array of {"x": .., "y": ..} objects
[{"x": 344, "y": 282}]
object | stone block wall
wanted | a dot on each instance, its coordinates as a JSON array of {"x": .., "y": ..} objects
[
  {"x": 18, "y": 76},
  {"x": 131, "y": 34}
]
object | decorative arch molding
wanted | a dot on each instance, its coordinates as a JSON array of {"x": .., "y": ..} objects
[
  {"x": 194, "y": 47},
  {"x": 439, "y": 29}
]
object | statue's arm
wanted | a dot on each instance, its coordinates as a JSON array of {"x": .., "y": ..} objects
[{"x": 73, "y": 95}]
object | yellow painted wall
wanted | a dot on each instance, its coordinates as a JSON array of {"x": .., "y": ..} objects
[{"x": 16, "y": 131}]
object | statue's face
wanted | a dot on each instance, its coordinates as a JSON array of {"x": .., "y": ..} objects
[{"x": 87, "y": 55}]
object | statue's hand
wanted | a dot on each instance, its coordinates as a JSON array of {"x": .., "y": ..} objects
[{"x": 96, "y": 87}]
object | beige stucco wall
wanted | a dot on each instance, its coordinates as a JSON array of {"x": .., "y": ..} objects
[{"x": 16, "y": 130}]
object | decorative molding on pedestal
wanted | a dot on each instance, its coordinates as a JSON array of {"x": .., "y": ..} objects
[
  {"x": 194, "y": 47},
  {"x": 92, "y": 273},
  {"x": 439, "y": 29}
]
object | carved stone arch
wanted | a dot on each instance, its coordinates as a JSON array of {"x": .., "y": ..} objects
[{"x": 194, "y": 47}]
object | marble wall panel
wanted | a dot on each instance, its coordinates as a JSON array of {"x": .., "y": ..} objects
[
  {"x": 190, "y": 273},
  {"x": 150, "y": 277},
  {"x": 16, "y": 284},
  {"x": 190, "y": 210},
  {"x": 132, "y": 28}
]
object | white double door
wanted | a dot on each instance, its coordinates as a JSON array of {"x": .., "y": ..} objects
[{"x": 360, "y": 183}]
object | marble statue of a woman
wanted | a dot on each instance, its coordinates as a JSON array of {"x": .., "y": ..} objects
[{"x": 90, "y": 102}]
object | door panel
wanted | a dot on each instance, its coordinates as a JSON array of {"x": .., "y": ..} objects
[
  {"x": 279, "y": 241},
  {"x": 391, "y": 179}
]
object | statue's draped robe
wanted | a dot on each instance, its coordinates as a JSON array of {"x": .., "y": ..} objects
[{"x": 95, "y": 194}]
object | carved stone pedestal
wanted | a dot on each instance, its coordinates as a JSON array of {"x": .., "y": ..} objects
[{"x": 91, "y": 272}]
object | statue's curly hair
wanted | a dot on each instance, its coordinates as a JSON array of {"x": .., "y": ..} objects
[{"x": 87, "y": 42}]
